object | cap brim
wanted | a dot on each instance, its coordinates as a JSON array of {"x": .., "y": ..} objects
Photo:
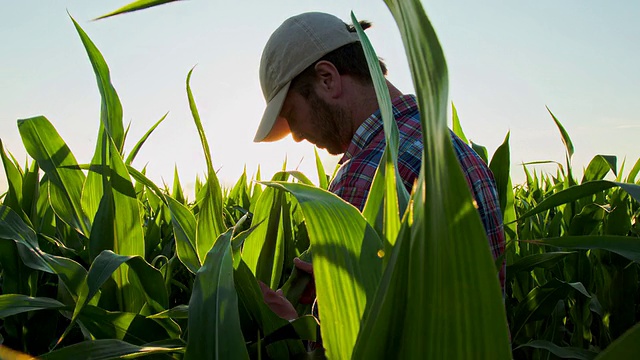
[{"x": 272, "y": 127}]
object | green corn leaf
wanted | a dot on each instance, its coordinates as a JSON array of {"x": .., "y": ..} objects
[
  {"x": 177, "y": 192},
  {"x": 540, "y": 302},
  {"x": 31, "y": 191},
  {"x": 238, "y": 197},
  {"x": 346, "y": 264},
  {"x": 214, "y": 322},
  {"x": 135, "y": 6},
  {"x": 390, "y": 304},
  {"x": 107, "y": 349},
  {"x": 141, "y": 178},
  {"x": 388, "y": 197},
  {"x": 210, "y": 223},
  {"x": 13, "y": 228},
  {"x": 14, "y": 179},
  {"x": 501, "y": 168},
  {"x": 107, "y": 263},
  {"x": 119, "y": 231},
  {"x": 444, "y": 297},
  {"x": 142, "y": 140},
  {"x": 15, "y": 275},
  {"x": 566, "y": 140},
  {"x": 129, "y": 327},
  {"x": 481, "y": 150},
  {"x": 626, "y": 347},
  {"x": 529, "y": 262},
  {"x": 580, "y": 191},
  {"x": 631, "y": 178},
  {"x": 184, "y": 230},
  {"x": 457, "y": 128},
  {"x": 297, "y": 282},
  {"x": 265, "y": 247},
  {"x": 559, "y": 351},
  {"x": 626, "y": 246},
  {"x": 599, "y": 166},
  {"x": 44, "y": 145},
  {"x": 322, "y": 175},
  {"x": 250, "y": 296},
  {"x": 178, "y": 312},
  {"x": 111, "y": 125},
  {"x": 302, "y": 178},
  {"x": 43, "y": 212},
  {"x": 11, "y": 304},
  {"x": 111, "y": 109},
  {"x": 304, "y": 327}
]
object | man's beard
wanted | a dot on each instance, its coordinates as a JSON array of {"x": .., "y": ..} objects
[{"x": 332, "y": 125}]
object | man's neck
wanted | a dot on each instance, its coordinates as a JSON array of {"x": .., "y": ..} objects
[{"x": 365, "y": 103}]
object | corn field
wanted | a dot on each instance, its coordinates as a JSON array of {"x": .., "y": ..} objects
[{"x": 99, "y": 262}]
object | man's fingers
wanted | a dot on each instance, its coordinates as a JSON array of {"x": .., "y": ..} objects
[
  {"x": 303, "y": 265},
  {"x": 276, "y": 301}
]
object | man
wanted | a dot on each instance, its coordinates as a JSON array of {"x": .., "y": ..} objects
[{"x": 317, "y": 85}]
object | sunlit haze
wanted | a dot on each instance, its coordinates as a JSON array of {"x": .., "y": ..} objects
[{"x": 507, "y": 61}]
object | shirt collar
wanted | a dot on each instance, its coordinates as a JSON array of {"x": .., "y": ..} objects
[{"x": 373, "y": 125}]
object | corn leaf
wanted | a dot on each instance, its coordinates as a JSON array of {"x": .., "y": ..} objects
[
  {"x": 214, "y": 322},
  {"x": 111, "y": 109},
  {"x": 529, "y": 262},
  {"x": 178, "y": 312},
  {"x": 541, "y": 301},
  {"x": 501, "y": 169},
  {"x": 44, "y": 144},
  {"x": 323, "y": 182},
  {"x": 562, "y": 352},
  {"x": 626, "y": 347},
  {"x": 107, "y": 263},
  {"x": 11, "y": 304},
  {"x": 129, "y": 327},
  {"x": 209, "y": 222},
  {"x": 184, "y": 230},
  {"x": 346, "y": 264},
  {"x": 388, "y": 197},
  {"x": 599, "y": 166},
  {"x": 135, "y": 6},
  {"x": 480, "y": 150},
  {"x": 452, "y": 275},
  {"x": 12, "y": 227},
  {"x": 107, "y": 349},
  {"x": 626, "y": 246},
  {"x": 250, "y": 296},
  {"x": 143, "y": 139},
  {"x": 390, "y": 304},
  {"x": 565, "y": 136},
  {"x": 111, "y": 125},
  {"x": 263, "y": 250},
  {"x": 457, "y": 128},
  {"x": 119, "y": 231},
  {"x": 14, "y": 195},
  {"x": 580, "y": 191},
  {"x": 631, "y": 178}
]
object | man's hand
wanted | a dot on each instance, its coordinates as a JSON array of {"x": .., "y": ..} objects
[
  {"x": 278, "y": 303},
  {"x": 309, "y": 294}
]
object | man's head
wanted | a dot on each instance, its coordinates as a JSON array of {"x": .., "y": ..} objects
[{"x": 302, "y": 73}]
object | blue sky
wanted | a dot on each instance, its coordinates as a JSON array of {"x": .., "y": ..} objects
[{"x": 507, "y": 61}]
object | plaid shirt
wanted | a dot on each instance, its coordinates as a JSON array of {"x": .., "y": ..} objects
[{"x": 360, "y": 161}]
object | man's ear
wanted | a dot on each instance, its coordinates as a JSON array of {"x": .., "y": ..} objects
[{"x": 329, "y": 80}]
